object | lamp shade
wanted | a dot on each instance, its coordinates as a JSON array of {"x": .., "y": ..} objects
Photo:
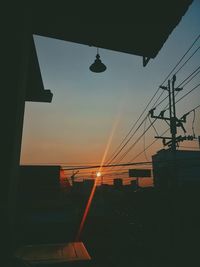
[{"x": 97, "y": 66}]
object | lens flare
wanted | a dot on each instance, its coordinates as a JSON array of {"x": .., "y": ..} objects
[{"x": 96, "y": 179}]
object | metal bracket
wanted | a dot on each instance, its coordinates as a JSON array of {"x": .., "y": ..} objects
[{"x": 145, "y": 61}]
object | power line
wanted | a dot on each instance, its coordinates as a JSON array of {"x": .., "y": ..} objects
[
  {"x": 113, "y": 156},
  {"x": 138, "y": 139},
  {"x": 144, "y": 140},
  {"x": 155, "y": 140},
  {"x": 144, "y": 150},
  {"x": 116, "y": 153},
  {"x": 139, "y": 163},
  {"x": 185, "y": 53},
  {"x": 144, "y": 136},
  {"x": 153, "y": 126},
  {"x": 127, "y": 141},
  {"x": 194, "y": 108},
  {"x": 166, "y": 107},
  {"x": 118, "y": 149},
  {"x": 108, "y": 171},
  {"x": 182, "y": 58},
  {"x": 131, "y": 138},
  {"x": 188, "y": 93},
  {"x": 187, "y": 60},
  {"x": 180, "y": 85},
  {"x": 190, "y": 76},
  {"x": 179, "y": 70},
  {"x": 162, "y": 101},
  {"x": 108, "y": 166},
  {"x": 193, "y": 123}
]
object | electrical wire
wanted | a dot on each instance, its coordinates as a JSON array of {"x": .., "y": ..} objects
[
  {"x": 155, "y": 140},
  {"x": 194, "y": 75},
  {"x": 118, "y": 149},
  {"x": 167, "y": 106},
  {"x": 132, "y": 159},
  {"x": 188, "y": 93},
  {"x": 109, "y": 162},
  {"x": 193, "y": 123},
  {"x": 143, "y": 151},
  {"x": 113, "y": 156},
  {"x": 138, "y": 139},
  {"x": 190, "y": 76},
  {"x": 187, "y": 60},
  {"x": 108, "y": 166},
  {"x": 153, "y": 126},
  {"x": 180, "y": 85},
  {"x": 85, "y": 167},
  {"x": 145, "y": 163},
  {"x": 116, "y": 153},
  {"x": 194, "y": 108},
  {"x": 182, "y": 58},
  {"x": 144, "y": 141},
  {"x": 131, "y": 147}
]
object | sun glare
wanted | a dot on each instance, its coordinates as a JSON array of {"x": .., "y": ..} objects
[{"x": 98, "y": 174}]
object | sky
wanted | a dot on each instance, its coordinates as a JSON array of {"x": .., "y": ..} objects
[{"x": 90, "y": 111}]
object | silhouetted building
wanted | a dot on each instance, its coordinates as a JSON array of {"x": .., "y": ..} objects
[
  {"x": 39, "y": 183},
  {"x": 84, "y": 187},
  {"x": 181, "y": 169},
  {"x": 118, "y": 183},
  {"x": 134, "y": 184}
]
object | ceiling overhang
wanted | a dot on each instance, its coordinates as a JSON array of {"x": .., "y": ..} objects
[
  {"x": 35, "y": 89},
  {"x": 138, "y": 27}
]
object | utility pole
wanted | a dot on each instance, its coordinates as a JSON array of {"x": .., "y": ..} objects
[
  {"x": 169, "y": 170},
  {"x": 172, "y": 120},
  {"x": 73, "y": 176},
  {"x": 172, "y": 114},
  {"x": 173, "y": 141}
]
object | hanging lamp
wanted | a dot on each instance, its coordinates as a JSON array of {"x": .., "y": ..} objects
[{"x": 98, "y": 66}]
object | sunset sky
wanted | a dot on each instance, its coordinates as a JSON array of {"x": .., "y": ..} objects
[{"x": 90, "y": 110}]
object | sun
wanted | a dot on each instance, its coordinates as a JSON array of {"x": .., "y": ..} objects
[{"x": 98, "y": 174}]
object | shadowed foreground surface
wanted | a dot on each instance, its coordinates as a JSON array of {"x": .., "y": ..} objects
[{"x": 143, "y": 228}]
